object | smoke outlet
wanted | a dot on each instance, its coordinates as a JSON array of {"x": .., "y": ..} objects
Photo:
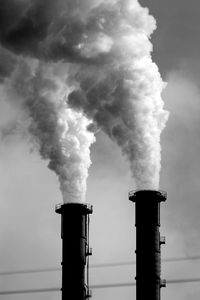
[
  {"x": 75, "y": 250},
  {"x": 148, "y": 243}
]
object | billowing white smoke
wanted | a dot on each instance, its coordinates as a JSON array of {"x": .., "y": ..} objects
[
  {"x": 59, "y": 133},
  {"x": 107, "y": 75}
]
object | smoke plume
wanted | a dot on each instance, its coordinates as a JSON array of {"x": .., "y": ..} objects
[{"x": 82, "y": 63}]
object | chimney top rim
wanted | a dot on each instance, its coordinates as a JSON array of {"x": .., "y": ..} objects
[
  {"x": 159, "y": 195},
  {"x": 84, "y": 207}
]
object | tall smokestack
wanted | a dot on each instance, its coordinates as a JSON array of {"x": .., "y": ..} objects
[
  {"x": 75, "y": 249},
  {"x": 148, "y": 242}
]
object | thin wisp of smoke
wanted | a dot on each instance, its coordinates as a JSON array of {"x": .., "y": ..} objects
[{"x": 84, "y": 62}]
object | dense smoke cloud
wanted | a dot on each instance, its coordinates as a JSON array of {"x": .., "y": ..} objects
[
  {"x": 8, "y": 62},
  {"x": 70, "y": 30},
  {"x": 104, "y": 52},
  {"x": 59, "y": 133}
]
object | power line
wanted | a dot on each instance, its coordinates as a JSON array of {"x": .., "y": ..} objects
[
  {"x": 102, "y": 265},
  {"x": 183, "y": 280},
  {"x": 29, "y": 291},
  {"x": 29, "y": 271},
  {"x": 127, "y": 284},
  {"x": 97, "y": 286},
  {"x": 183, "y": 258},
  {"x": 126, "y": 263}
]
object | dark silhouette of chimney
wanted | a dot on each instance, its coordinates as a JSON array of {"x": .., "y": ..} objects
[
  {"x": 148, "y": 242},
  {"x": 75, "y": 250}
]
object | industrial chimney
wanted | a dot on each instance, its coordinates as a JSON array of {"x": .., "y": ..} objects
[
  {"x": 75, "y": 250},
  {"x": 148, "y": 242}
]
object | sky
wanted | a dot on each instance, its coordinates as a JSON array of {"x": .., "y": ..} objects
[{"x": 29, "y": 191}]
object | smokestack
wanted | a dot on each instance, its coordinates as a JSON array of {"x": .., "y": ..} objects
[
  {"x": 148, "y": 242},
  {"x": 75, "y": 250}
]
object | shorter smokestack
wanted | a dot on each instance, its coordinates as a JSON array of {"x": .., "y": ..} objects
[
  {"x": 148, "y": 242},
  {"x": 75, "y": 250}
]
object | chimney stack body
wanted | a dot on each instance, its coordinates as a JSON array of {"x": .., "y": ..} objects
[
  {"x": 75, "y": 249},
  {"x": 148, "y": 242}
]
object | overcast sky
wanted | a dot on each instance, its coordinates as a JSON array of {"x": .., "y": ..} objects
[{"x": 29, "y": 227}]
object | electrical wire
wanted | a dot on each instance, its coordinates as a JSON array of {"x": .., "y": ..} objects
[
  {"x": 29, "y": 271},
  {"x": 103, "y": 265},
  {"x": 29, "y": 291},
  {"x": 127, "y": 263},
  {"x": 97, "y": 286},
  {"x": 127, "y": 284}
]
